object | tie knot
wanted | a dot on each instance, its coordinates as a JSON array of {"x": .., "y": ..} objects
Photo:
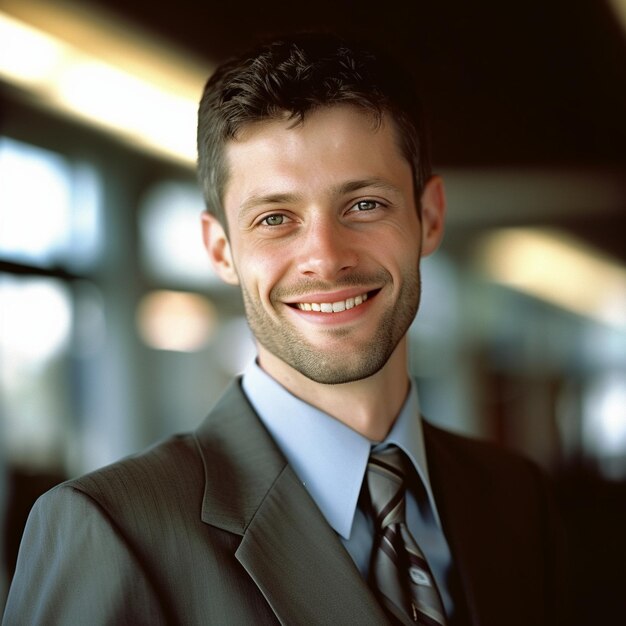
[{"x": 386, "y": 486}]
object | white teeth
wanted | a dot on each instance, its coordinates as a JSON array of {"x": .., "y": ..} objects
[{"x": 333, "y": 307}]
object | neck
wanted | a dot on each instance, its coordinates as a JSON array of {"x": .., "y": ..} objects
[{"x": 368, "y": 406}]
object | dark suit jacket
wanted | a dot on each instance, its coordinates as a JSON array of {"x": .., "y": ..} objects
[{"x": 215, "y": 528}]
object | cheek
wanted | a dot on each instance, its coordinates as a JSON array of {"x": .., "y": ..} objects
[
  {"x": 400, "y": 251},
  {"x": 262, "y": 272},
  {"x": 405, "y": 267}
]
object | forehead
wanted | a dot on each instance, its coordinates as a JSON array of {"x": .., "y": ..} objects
[{"x": 343, "y": 140}]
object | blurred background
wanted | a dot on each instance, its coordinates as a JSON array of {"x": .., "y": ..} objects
[{"x": 114, "y": 332}]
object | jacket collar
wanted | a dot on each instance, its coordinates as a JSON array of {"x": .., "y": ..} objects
[
  {"x": 287, "y": 547},
  {"x": 241, "y": 462}
]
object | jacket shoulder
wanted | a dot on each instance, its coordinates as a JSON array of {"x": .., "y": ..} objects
[{"x": 169, "y": 472}]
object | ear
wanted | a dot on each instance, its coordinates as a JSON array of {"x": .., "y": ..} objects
[
  {"x": 433, "y": 203},
  {"x": 218, "y": 247}
]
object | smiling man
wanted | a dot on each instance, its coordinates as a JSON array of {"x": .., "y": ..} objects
[
  {"x": 323, "y": 230},
  {"x": 314, "y": 492}
]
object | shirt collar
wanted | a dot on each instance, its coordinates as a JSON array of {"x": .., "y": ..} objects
[
  {"x": 407, "y": 433},
  {"x": 329, "y": 457}
]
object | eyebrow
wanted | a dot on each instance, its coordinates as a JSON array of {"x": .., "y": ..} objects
[
  {"x": 269, "y": 198},
  {"x": 356, "y": 185}
]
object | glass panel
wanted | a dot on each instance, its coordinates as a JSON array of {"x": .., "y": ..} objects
[
  {"x": 49, "y": 208},
  {"x": 171, "y": 239},
  {"x": 35, "y": 333}
]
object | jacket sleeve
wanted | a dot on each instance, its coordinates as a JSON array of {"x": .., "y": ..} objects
[{"x": 75, "y": 567}]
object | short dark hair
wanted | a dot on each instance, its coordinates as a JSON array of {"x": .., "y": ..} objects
[{"x": 296, "y": 75}]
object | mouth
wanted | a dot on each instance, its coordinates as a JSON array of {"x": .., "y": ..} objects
[{"x": 337, "y": 306}]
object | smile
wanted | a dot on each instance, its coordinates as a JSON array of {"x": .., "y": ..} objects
[{"x": 333, "y": 307}]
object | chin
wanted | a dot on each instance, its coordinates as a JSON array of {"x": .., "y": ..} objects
[{"x": 320, "y": 371}]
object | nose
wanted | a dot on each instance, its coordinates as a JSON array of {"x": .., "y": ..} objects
[{"x": 327, "y": 250}]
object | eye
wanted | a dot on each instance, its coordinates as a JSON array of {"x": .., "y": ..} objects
[
  {"x": 275, "y": 219},
  {"x": 366, "y": 205}
]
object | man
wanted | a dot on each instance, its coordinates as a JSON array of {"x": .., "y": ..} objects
[{"x": 313, "y": 493}]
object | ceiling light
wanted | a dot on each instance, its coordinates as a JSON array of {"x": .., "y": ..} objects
[
  {"x": 556, "y": 268},
  {"x": 176, "y": 321},
  {"x": 149, "y": 101}
]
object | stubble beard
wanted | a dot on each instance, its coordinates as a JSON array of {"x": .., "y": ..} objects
[{"x": 286, "y": 343}]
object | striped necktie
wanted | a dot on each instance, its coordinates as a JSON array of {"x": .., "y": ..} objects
[{"x": 399, "y": 572}]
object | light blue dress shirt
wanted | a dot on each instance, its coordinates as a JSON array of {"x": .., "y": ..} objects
[{"x": 330, "y": 459}]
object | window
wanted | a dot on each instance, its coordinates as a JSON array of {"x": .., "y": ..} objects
[
  {"x": 171, "y": 242},
  {"x": 35, "y": 336},
  {"x": 49, "y": 209},
  {"x": 49, "y": 237}
]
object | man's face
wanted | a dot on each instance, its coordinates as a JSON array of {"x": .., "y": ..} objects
[{"x": 325, "y": 241}]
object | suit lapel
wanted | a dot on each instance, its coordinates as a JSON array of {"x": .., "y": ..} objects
[
  {"x": 465, "y": 519},
  {"x": 453, "y": 504},
  {"x": 288, "y": 548},
  {"x": 299, "y": 563}
]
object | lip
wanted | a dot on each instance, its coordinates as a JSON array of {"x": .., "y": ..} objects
[
  {"x": 335, "y": 296},
  {"x": 339, "y": 317}
]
